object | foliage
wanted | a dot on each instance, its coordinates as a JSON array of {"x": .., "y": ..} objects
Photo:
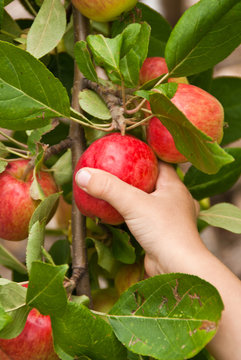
[{"x": 171, "y": 316}]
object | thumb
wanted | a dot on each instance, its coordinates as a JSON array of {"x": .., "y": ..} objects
[{"x": 103, "y": 185}]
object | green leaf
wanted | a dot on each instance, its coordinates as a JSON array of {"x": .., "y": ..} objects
[
  {"x": 36, "y": 135},
  {"x": 62, "y": 169},
  {"x": 122, "y": 247},
  {"x": 196, "y": 146},
  {"x": 12, "y": 300},
  {"x": 9, "y": 29},
  {"x": 60, "y": 252},
  {"x": 4, "y": 318},
  {"x": 47, "y": 28},
  {"x": 92, "y": 103},
  {"x": 223, "y": 215},
  {"x": 228, "y": 91},
  {"x": 106, "y": 259},
  {"x": 106, "y": 53},
  {"x": 29, "y": 94},
  {"x": 3, "y": 165},
  {"x": 160, "y": 29},
  {"x": 62, "y": 355},
  {"x": 130, "y": 68},
  {"x": 168, "y": 89},
  {"x": 1, "y": 12},
  {"x": 171, "y": 316},
  {"x": 44, "y": 210},
  {"x": 10, "y": 261},
  {"x": 79, "y": 332},
  {"x": 35, "y": 243},
  {"x": 130, "y": 36},
  {"x": 202, "y": 185},
  {"x": 84, "y": 61},
  {"x": 45, "y": 289},
  {"x": 206, "y": 34},
  {"x": 202, "y": 80}
]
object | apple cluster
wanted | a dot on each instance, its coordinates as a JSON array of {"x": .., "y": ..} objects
[{"x": 132, "y": 160}]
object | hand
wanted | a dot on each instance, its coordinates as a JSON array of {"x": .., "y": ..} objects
[{"x": 163, "y": 222}]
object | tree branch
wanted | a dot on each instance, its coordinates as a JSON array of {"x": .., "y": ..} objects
[{"x": 79, "y": 258}]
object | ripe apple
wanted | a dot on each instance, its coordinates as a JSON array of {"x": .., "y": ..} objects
[
  {"x": 201, "y": 108},
  {"x": 103, "y": 10},
  {"x": 16, "y": 204},
  {"x": 34, "y": 343},
  {"x": 125, "y": 156},
  {"x": 154, "y": 67}
]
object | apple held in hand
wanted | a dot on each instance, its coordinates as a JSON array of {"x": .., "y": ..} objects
[
  {"x": 34, "y": 343},
  {"x": 103, "y": 10},
  {"x": 16, "y": 204},
  {"x": 201, "y": 108},
  {"x": 127, "y": 157}
]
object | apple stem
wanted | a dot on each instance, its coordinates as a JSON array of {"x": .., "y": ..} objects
[
  {"x": 142, "y": 122},
  {"x": 162, "y": 79},
  {"x": 18, "y": 153}
]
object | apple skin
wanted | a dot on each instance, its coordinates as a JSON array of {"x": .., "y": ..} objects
[
  {"x": 35, "y": 341},
  {"x": 201, "y": 108},
  {"x": 125, "y": 156},
  {"x": 154, "y": 67},
  {"x": 16, "y": 204},
  {"x": 103, "y": 10}
]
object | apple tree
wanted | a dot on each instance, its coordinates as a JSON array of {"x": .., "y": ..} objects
[{"x": 65, "y": 82}]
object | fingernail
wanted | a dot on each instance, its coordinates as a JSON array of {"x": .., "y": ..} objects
[{"x": 82, "y": 178}]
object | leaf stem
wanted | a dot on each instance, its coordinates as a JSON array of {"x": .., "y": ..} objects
[
  {"x": 18, "y": 153},
  {"x": 20, "y": 144},
  {"x": 139, "y": 123},
  {"x": 162, "y": 79},
  {"x": 30, "y": 7}
]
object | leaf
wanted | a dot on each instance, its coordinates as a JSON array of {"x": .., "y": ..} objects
[
  {"x": 196, "y": 146},
  {"x": 202, "y": 80},
  {"x": 9, "y": 29},
  {"x": 106, "y": 53},
  {"x": 60, "y": 252},
  {"x": 3, "y": 150},
  {"x": 62, "y": 169},
  {"x": 202, "y": 185},
  {"x": 12, "y": 300},
  {"x": 79, "y": 332},
  {"x": 206, "y": 34},
  {"x": 47, "y": 28},
  {"x": 130, "y": 68},
  {"x": 1, "y": 12},
  {"x": 203, "y": 355},
  {"x": 160, "y": 29},
  {"x": 171, "y": 316},
  {"x": 10, "y": 261},
  {"x": 122, "y": 247},
  {"x": 4, "y": 319},
  {"x": 84, "y": 61},
  {"x": 130, "y": 36},
  {"x": 228, "y": 91},
  {"x": 106, "y": 259},
  {"x": 36, "y": 135},
  {"x": 223, "y": 215},
  {"x": 29, "y": 94},
  {"x": 3, "y": 165},
  {"x": 92, "y": 103},
  {"x": 168, "y": 89},
  {"x": 62, "y": 355},
  {"x": 45, "y": 289},
  {"x": 35, "y": 243},
  {"x": 44, "y": 210}
]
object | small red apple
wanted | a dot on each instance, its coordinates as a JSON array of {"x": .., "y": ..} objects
[
  {"x": 35, "y": 341},
  {"x": 16, "y": 204},
  {"x": 127, "y": 157},
  {"x": 154, "y": 67},
  {"x": 103, "y": 10},
  {"x": 201, "y": 108}
]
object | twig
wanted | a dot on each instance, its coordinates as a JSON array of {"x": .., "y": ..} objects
[
  {"x": 13, "y": 140},
  {"x": 57, "y": 148},
  {"x": 76, "y": 134}
]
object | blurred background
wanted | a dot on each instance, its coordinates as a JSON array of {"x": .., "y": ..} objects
[{"x": 225, "y": 245}]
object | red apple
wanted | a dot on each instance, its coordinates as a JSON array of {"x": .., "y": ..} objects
[
  {"x": 154, "y": 67},
  {"x": 16, "y": 204},
  {"x": 103, "y": 10},
  {"x": 201, "y": 108},
  {"x": 35, "y": 341},
  {"x": 128, "y": 158}
]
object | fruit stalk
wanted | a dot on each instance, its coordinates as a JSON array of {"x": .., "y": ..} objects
[{"x": 80, "y": 275}]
